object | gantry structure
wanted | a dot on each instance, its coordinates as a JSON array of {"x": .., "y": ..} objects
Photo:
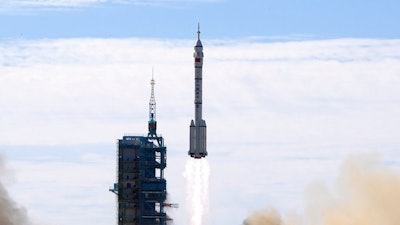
[{"x": 141, "y": 186}]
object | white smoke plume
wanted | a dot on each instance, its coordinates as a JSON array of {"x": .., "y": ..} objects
[
  {"x": 367, "y": 193},
  {"x": 10, "y": 212},
  {"x": 197, "y": 172}
]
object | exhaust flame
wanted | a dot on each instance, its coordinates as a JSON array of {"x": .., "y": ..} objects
[
  {"x": 368, "y": 194},
  {"x": 197, "y": 172}
]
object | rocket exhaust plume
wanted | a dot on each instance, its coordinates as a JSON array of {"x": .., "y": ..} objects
[
  {"x": 10, "y": 212},
  {"x": 368, "y": 193},
  {"x": 197, "y": 173}
]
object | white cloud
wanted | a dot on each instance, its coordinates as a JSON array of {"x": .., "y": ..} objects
[
  {"x": 18, "y": 6},
  {"x": 52, "y": 3},
  {"x": 271, "y": 109},
  {"x": 314, "y": 88},
  {"x": 32, "y": 5}
]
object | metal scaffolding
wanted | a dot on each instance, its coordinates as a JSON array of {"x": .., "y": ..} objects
[{"x": 141, "y": 185}]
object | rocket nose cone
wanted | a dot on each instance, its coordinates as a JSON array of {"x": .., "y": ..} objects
[{"x": 198, "y": 44}]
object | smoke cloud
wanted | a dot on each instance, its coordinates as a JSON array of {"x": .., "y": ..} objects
[
  {"x": 10, "y": 212},
  {"x": 367, "y": 193}
]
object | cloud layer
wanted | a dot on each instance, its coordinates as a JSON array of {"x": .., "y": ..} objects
[
  {"x": 271, "y": 108},
  {"x": 316, "y": 90}
]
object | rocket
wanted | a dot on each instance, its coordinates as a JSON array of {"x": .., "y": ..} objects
[{"x": 198, "y": 141}]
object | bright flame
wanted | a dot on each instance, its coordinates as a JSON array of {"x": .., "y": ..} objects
[{"x": 197, "y": 172}]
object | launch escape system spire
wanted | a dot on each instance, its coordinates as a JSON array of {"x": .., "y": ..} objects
[
  {"x": 198, "y": 132},
  {"x": 141, "y": 187}
]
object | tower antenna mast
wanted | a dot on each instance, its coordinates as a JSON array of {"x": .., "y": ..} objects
[{"x": 152, "y": 109}]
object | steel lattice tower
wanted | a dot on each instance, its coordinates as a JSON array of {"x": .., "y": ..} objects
[{"x": 141, "y": 186}]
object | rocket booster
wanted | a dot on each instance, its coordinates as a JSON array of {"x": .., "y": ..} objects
[{"x": 198, "y": 140}]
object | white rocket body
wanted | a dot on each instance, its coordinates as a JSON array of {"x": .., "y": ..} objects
[{"x": 198, "y": 134}]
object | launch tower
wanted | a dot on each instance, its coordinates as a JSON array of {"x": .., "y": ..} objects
[{"x": 141, "y": 186}]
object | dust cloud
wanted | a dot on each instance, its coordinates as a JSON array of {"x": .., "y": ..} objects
[
  {"x": 10, "y": 212},
  {"x": 367, "y": 193}
]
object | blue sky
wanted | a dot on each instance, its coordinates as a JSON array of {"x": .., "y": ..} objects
[
  {"x": 219, "y": 19},
  {"x": 291, "y": 89}
]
